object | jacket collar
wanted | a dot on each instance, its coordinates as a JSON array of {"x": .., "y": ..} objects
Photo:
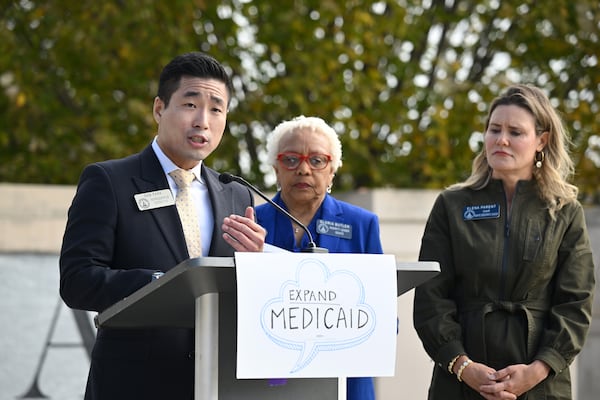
[{"x": 329, "y": 210}]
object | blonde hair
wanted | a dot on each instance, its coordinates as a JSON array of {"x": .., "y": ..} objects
[
  {"x": 313, "y": 124},
  {"x": 552, "y": 178}
]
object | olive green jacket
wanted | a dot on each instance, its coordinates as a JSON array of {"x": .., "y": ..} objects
[{"x": 512, "y": 289}]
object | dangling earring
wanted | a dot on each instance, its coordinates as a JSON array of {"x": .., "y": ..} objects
[
  {"x": 329, "y": 188},
  {"x": 278, "y": 187},
  {"x": 539, "y": 158}
]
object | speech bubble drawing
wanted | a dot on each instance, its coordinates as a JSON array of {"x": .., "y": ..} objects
[{"x": 318, "y": 311}]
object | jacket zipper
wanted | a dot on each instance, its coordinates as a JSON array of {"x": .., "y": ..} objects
[{"x": 505, "y": 247}]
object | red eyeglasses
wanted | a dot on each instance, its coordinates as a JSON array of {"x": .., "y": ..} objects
[{"x": 292, "y": 161}]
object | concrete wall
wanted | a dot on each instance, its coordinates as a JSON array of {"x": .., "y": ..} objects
[
  {"x": 33, "y": 217},
  {"x": 32, "y": 220}
]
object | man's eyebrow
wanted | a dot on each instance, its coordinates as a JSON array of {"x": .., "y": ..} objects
[
  {"x": 217, "y": 99},
  {"x": 193, "y": 93}
]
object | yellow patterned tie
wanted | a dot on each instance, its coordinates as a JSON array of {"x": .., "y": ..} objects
[{"x": 187, "y": 211}]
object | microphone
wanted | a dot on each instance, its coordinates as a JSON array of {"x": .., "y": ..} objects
[{"x": 312, "y": 247}]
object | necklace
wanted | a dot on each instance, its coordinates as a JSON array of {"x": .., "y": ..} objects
[{"x": 296, "y": 227}]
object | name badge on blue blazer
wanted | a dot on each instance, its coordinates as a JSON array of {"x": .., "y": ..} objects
[
  {"x": 337, "y": 229},
  {"x": 482, "y": 211}
]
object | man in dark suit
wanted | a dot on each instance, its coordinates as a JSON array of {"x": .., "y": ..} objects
[{"x": 123, "y": 226}]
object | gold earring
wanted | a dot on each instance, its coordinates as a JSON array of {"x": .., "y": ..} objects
[{"x": 539, "y": 158}]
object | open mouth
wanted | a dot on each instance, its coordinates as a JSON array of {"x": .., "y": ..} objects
[{"x": 198, "y": 139}]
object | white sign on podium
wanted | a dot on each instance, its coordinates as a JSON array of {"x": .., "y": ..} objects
[{"x": 313, "y": 315}]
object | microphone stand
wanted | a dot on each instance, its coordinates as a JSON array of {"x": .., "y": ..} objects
[{"x": 312, "y": 247}]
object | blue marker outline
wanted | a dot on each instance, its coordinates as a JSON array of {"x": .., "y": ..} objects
[{"x": 329, "y": 344}]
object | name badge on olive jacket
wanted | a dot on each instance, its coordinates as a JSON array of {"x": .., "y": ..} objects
[
  {"x": 482, "y": 211},
  {"x": 332, "y": 228}
]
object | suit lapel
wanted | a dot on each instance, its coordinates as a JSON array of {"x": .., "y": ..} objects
[
  {"x": 152, "y": 178},
  {"x": 331, "y": 212},
  {"x": 221, "y": 199}
]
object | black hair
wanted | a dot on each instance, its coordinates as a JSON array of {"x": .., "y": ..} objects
[{"x": 193, "y": 64}]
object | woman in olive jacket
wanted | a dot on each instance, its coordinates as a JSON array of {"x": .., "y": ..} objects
[{"x": 511, "y": 306}]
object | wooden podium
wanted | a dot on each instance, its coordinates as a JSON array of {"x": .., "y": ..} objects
[{"x": 200, "y": 293}]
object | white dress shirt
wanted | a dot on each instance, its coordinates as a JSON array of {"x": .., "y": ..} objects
[{"x": 199, "y": 193}]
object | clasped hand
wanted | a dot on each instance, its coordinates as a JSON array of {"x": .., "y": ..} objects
[{"x": 507, "y": 383}]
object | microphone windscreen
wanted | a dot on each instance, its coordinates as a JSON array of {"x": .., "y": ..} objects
[{"x": 226, "y": 177}]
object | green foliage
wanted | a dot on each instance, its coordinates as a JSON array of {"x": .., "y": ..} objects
[{"x": 406, "y": 83}]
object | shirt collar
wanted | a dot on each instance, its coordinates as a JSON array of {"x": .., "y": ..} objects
[{"x": 169, "y": 166}]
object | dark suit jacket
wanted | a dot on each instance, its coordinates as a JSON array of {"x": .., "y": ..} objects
[{"x": 110, "y": 249}]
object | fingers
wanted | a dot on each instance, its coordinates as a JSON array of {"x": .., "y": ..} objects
[
  {"x": 250, "y": 213},
  {"x": 494, "y": 396},
  {"x": 477, "y": 374},
  {"x": 500, "y": 395},
  {"x": 497, "y": 390},
  {"x": 242, "y": 233},
  {"x": 501, "y": 375},
  {"x": 509, "y": 382}
]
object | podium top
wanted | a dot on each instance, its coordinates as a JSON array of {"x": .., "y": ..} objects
[
  {"x": 409, "y": 275},
  {"x": 170, "y": 300}
]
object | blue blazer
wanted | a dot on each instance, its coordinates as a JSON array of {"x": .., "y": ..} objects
[{"x": 363, "y": 237}]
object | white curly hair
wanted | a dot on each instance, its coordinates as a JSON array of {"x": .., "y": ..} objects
[{"x": 314, "y": 124}]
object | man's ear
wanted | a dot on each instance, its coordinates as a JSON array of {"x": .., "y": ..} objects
[{"x": 157, "y": 109}]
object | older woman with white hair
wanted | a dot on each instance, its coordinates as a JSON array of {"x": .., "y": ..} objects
[{"x": 305, "y": 153}]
